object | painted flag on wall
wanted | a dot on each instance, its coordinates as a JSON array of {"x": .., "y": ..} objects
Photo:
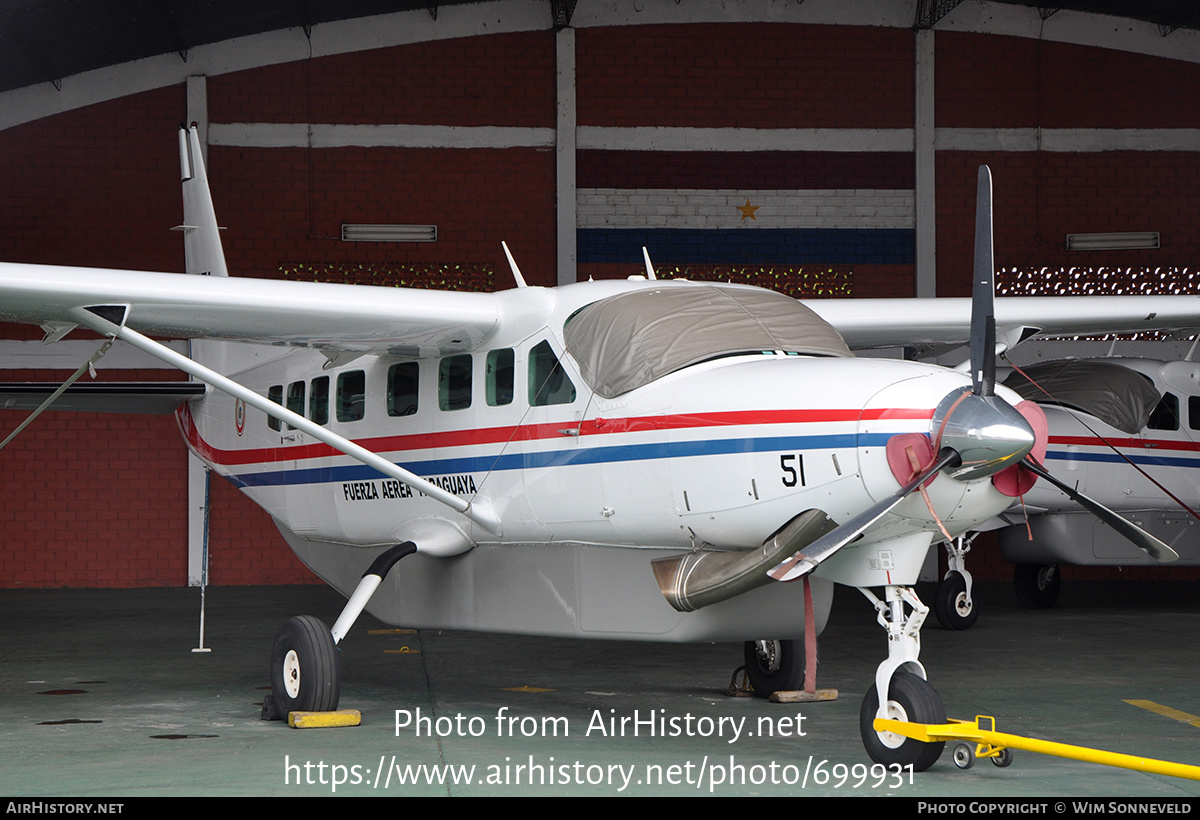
[{"x": 738, "y": 208}]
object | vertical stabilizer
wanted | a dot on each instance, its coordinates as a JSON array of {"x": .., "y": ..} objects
[
  {"x": 205, "y": 256},
  {"x": 202, "y": 249}
]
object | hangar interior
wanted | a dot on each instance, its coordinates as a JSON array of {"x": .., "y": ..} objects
[
  {"x": 823, "y": 148},
  {"x": 817, "y": 147}
]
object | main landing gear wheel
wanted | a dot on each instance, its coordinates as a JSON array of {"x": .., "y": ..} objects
[
  {"x": 1037, "y": 587},
  {"x": 774, "y": 666},
  {"x": 912, "y": 699},
  {"x": 954, "y": 610},
  {"x": 305, "y": 673}
]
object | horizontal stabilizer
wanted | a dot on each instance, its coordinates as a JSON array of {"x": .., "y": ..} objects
[{"x": 152, "y": 398}]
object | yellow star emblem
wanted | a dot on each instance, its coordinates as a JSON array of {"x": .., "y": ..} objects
[{"x": 748, "y": 210}]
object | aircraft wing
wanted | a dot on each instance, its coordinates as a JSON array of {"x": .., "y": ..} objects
[
  {"x": 367, "y": 319},
  {"x": 872, "y": 323},
  {"x": 352, "y": 318}
]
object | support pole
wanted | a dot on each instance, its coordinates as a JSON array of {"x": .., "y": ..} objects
[{"x": 204, "y": 558}]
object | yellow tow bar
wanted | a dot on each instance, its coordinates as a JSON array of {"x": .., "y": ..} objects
[{"x": 997, "y": 746}]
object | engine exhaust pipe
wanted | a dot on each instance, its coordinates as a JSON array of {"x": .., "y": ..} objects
[{"x": 696, "y": 579}]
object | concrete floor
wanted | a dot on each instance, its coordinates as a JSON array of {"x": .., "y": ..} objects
[{"x": 101, "y": 695}]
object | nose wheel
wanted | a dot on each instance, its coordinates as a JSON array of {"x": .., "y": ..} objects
[
  {"x": 953, "y": 605},
  {"x": 911, "y": 699},
  {"x": 907, "y": 696}
]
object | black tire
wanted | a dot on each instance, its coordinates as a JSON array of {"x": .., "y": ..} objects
[
  {"x": 779, "y": 669},
  {"x": 964, "y": 755},
  {"x": 305, "y": 673},
  {"x": 1004, "y": 759},
  {"x": 1037, "y": 587},
  {"x": 950, "y": 604},
  {"x": 911, "y": 699}
]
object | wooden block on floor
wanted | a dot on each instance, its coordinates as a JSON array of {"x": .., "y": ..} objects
[
  {"x": 324, "y": 720},
  {"x": 800, "y": 696}
]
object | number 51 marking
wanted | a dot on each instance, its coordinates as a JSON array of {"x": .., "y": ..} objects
[{"x": 790, "y": 475}]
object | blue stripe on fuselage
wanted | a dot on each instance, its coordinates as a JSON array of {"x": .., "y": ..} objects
[
  {"x": 1114, "y": 458},
  {"x": 563, "y": 458}
]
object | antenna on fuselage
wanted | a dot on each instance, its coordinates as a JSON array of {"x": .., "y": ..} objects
[
  {"x": 649, "y": 264},
  {"x": 512, "y": 263}
]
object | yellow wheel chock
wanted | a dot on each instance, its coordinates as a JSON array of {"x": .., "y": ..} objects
[{"x": 998, "y": 746}]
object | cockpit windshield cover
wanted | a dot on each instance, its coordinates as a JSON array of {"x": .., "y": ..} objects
[
  {"x": 1118, "y": 396},
  {"x": 626, "y": 341}
]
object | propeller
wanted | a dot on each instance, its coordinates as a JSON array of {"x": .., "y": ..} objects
[
  {"x": 975, "y": 433},
  {"x": 983, "y": 307},
  {"x": 983, "y": 371}
]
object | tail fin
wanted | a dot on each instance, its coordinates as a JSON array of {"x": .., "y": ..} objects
[{"x": 202, "y": 249}]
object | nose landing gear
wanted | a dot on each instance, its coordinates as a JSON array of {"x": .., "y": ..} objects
[{"x": 901, "y": 691}]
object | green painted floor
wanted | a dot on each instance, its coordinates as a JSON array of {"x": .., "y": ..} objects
[{"x": 140, "y": 714}]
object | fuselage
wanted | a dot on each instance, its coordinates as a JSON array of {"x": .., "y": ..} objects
[
  {"x": 1166, "y": 447},
  {"x": 1131, "y": 471},
  {"x": 717, "y": 455}
]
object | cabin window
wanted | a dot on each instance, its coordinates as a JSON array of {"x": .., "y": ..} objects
[
  {"x": 548, "y": 382},
  {"x": 1165, "y": 415},
  {"x": 454, "y": 383},
  {"x": 275, "y": 394},
  {"x": 295, "y": 398},
  {"x": 1194, "y": 412},
  {"x": 351, "y": 393},
  {"x": 318, "y": 400},
  {"x": 500, "y": 370},
  {"x": 402, "y": 389}
]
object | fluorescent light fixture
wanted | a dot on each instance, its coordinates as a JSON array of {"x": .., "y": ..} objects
[
  {"x": 388, "y": 233},
  {"x": 1112, "y": 241}
]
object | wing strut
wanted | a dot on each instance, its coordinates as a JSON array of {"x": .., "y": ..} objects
[
  {"x": 479, "y": 509},
  {"x": 88, "y": 365}
]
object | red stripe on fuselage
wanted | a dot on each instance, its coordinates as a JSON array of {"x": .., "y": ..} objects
[
  {"x": 533, "y": 432},
  {"x": 1130, "y": 443}
]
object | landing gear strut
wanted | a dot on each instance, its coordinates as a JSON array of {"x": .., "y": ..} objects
[
  {"x": 306, "y": 675},
  {"x": 953, "y": 604},
  {"x": 906, "y": 695}
]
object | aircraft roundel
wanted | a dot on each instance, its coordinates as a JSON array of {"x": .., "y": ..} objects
[{"x": 239, "y": 415}]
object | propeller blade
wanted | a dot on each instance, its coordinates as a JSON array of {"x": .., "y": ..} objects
[
  {"x": 807, "y": 559},
  {"x": 983, "y": 294},
  {"x": 1140, "y": 538}
]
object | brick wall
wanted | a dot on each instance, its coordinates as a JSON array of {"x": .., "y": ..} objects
[
  {"x": 287, "y": 205},
  {"x": 503, "y": 79},
  {"x": 748, "y": 75},
  {"x": 994, "y": 82}
]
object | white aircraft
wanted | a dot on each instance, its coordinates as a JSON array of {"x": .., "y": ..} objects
[
  {"x": 1123, "y": 432},
  {"x": 639, "y": 460}
]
